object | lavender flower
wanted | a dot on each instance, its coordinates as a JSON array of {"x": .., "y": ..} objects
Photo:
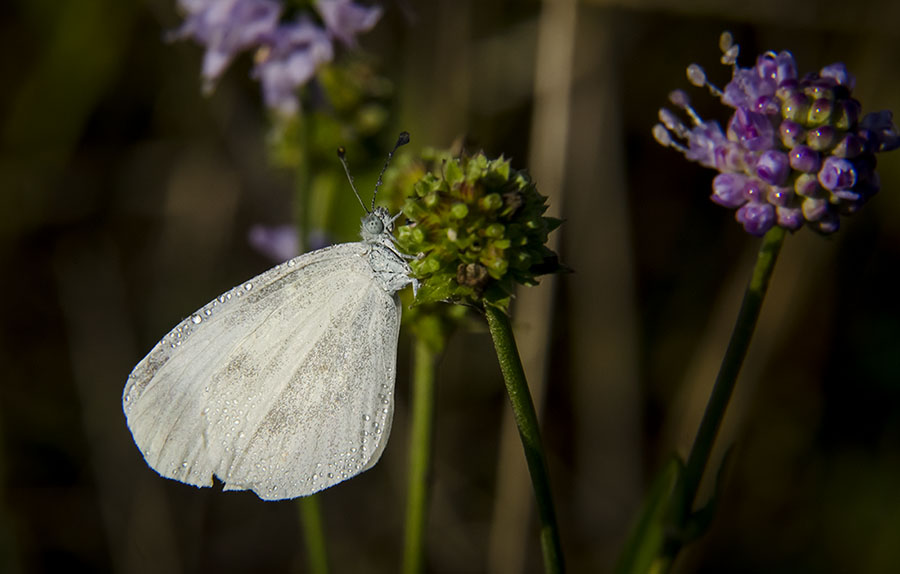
[
  {"x": 281, "y": 242},
  {"x": 288, "y": 61},
  {"x": 288, "y": 54},
  {"x": 278, "y": 243},
  {"x": 794, "y": 151},
  {"x": 226, "y": 27},
  {"x": 345, "y": 19}
]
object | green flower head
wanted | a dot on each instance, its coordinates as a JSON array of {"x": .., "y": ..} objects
[{"x": 476, "y": 227}]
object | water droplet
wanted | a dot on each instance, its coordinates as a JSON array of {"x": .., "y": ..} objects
[
  {"x": 248, "y": 286},
  {"x": 366, "y": 417},
  {"x": 196, "y": 319}
]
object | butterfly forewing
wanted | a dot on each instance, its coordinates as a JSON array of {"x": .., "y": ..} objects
[{"x": 283, "y": 385}]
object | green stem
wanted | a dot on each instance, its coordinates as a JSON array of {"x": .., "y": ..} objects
[
  {"x": 529, "y": 432},
  {"x": 419, "y": 456},
  {"x": 302, "y": 197},
  {"x": 726, "y": 379},
  {"x": 313, "y": 533}
]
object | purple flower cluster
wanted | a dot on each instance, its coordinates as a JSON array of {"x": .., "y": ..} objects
[
  {"x": 794, "y": 151},
  {"x": 287, "y": 53}
]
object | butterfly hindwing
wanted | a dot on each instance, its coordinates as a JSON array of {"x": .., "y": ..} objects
[{"x": 283, "y": 385}]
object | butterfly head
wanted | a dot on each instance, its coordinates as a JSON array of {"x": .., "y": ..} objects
[{"x": 376, "y": 224}]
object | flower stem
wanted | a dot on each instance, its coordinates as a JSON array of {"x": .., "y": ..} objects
[
  {"x": 529, "y": 432},
  {"x": 726, "y": 379},
  {"x": 313, "y": 533},
  {"x": 419, "y": 456}
]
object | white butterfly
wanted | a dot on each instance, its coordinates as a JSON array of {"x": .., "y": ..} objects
[{"x": 283, "y": 385}]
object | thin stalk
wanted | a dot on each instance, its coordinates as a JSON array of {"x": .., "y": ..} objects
[
  {"x": 727, "y": 377},
  {"x": 313, "y": 534},
  {"x": 529, "y": 432},
  {"x": 310, "y": 513},
  {"x": 302, "y": 199},
  {"x": 420, "y": 442}
]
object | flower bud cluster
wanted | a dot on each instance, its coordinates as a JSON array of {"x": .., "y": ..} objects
[
  {"x": 477, "y": 228},
  {"x": 795, "y": 151}
]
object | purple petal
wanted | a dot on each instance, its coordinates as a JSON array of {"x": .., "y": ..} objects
[
  {"x": 278, "y": 243},
  {"x": 746, "y": 87},
  {"x": 226, "y": 27},
  {"x": 752, "y": 130},
  {"x": 728, "y": 189},
  {"x": 345, "y": 19},
  {"x": 755, "y": 190},
  {"x": 804, "y": 158},
  {"x": 757, "y": 218},
  {"x": 786, "y": 68},
  {"x": 703, "y": 142},
  {"x": 294, "y": 54},
  {"x": 880, "y": 130},
  {"x": 773, "y": 167},
  {"x": 789, "y": 217},
  {"x": 780, "y": 196},
  {"x": 838, "y": 72},
  {"x": 837, "y": 174}
]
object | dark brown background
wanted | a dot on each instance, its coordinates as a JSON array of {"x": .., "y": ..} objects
[{"x": 127, "y": 196}]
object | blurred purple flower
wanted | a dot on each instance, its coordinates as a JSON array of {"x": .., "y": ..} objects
[
  {"x": 345, "y": 19},
  {"x": 226, "y": 27},
  {"x": 281, "y": 242},
  {"x": 288, "y": 54},
  {"x": 290, "y": 60},
  {"x": 794, "y": 151},
  {"x": 278, "y": 243}
]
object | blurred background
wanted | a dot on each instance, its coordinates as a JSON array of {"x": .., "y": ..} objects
[{"x": 126, "y": 197}]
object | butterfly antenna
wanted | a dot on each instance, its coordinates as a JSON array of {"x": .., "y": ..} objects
[
  {"x": 341, "y": 152},
  {"x": 402, "y": 140}
]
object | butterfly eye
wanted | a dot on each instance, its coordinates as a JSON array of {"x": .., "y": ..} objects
[{"x": 374, "y": 226}]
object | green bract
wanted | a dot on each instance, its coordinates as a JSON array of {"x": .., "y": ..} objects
[{"x": 476, "y": 227}]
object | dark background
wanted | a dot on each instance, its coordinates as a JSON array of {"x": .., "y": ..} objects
[{"x": 127, "y": 196}]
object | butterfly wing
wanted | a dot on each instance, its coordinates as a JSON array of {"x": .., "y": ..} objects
[{"x": 283, "y": 385}]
